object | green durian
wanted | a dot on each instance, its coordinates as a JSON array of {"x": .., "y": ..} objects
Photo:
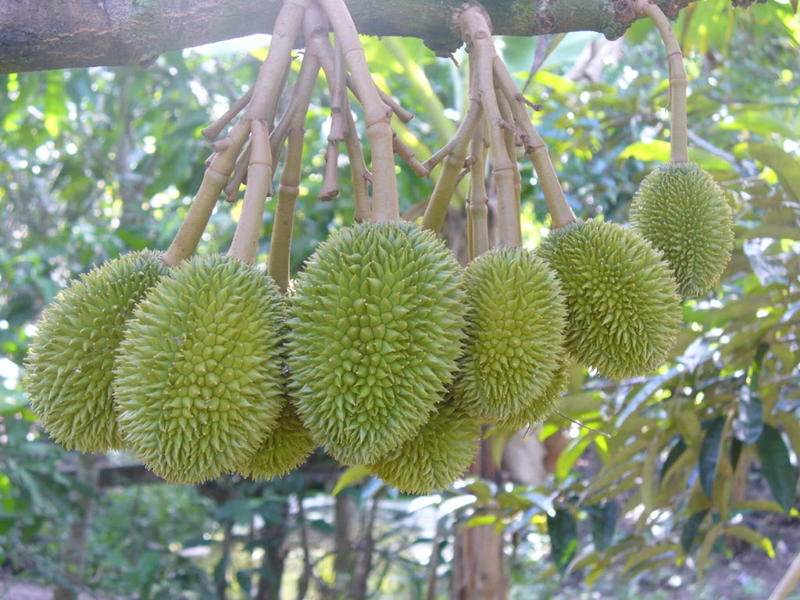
[
  {"x": 433, "y": 459},
  {"x": 538, "y": 407},
  {"x": 286, "y": 448},
  {"x": 515, "y": 324},
  {"x": 376, "y": 326},
  {"x": 199, "y": 381},
  {"x": 682, "y": 211},
  {"x": 69, "y": 363},
  {"x": 623, "y": 309}
]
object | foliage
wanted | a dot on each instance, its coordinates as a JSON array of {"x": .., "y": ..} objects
[{"x": 97, "y": 162}]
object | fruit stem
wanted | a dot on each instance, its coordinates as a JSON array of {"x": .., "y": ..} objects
[
  {"x": 281, "y": 242},
  {"x": 560, "y": 212},
  {"x": 214, "y": 179},
  {"x": 337, "y": 91},
  {"x": 315, "y": 31},
  {"x": 385, "y": 204},
  {"x": 477, "y": 207},
  {"x": 476, "y": 33},
  {"x": 259, "y": 181},
  {"x": 679, "y": 138},
  {"x": 447, "y": 182},
  {"x": 274, "y": 70},
  {"x": 213, "y": 130}
]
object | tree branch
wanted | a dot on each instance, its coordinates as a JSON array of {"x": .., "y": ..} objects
[{"x": 55, "y": 34}]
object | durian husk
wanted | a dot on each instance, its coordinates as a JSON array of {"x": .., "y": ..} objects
[
  {"x": 437, "y": 455},
  {"x": 685, "y": 214},
  {"x": 377, "y": 320},
  {"x": 623, "y": 307},
  {"x": 199, "y": 381},
  {"x": 69, "y": 367},
  {"x": 515, "y": 333}
]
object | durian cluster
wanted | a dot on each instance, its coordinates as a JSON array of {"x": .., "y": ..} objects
[{"x": 385, "y": 352}]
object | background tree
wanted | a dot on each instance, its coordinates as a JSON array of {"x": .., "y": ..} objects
[{"x": 701, "y": 462}]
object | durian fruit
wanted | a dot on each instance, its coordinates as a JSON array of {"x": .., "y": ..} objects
[
  {"x": 623, "y": 309},
  {"x": 682, "y": 211},
  {"x": 286, "y": 448},
  {"x": 437, "y": 455},
  {"x": 69, "y": 364},
  {"x": 198, "y": 381},
  {"x": 515, "y": 323},
  {"x": 375, "y": 331},
  {"x": 537, "y": 408}
]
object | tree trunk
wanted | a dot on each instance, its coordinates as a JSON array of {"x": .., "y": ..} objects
[{"x": 55, "y": 34}]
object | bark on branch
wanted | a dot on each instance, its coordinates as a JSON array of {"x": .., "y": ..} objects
[{"x": 55, "y": 34}]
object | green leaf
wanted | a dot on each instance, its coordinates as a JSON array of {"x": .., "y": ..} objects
[
  {"x": 563, "y": 533},
  {"x": 709, "y": 453},
  {"x": 776, "y": 467},
  {"x": 743, "y": 532},
  {"x": 786, "y": 166},
  {"x": 482, "y": 490},
  {"x": 245, "y": 581},
  {"x": 478, "y": 520},
  {"x": 603, "y": 518},
  {"x": 350, "y": 476},
  {"x": 672, "y": 456},
  {"x": 690, "y": 529}
]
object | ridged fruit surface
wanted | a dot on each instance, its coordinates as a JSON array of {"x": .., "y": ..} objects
[
  {"x": 441, "y": 452},
  {"x": 682, "y": 211},
  {"x": 623, "y": 309},
  {"x": 537, "y": 408},
  {"x": 376, "y": 327},
  {"x": 286, "y": 448},
  {"x": 515, "y": 324},
  {"x": 198, "y": 382},
  {"x": 70, "y": 361}
]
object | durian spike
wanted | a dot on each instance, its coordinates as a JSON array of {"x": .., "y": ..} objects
[
  {"x": 454, "y": 159},
  {"x": 245, "y": 239},
  {"x": 214, "y": 179},
  {"x": 281, "y": 242},
  {"x": 385, "y": 203},
  {"x": 315, "y": 31},
  {"x": 679, "y": 128},
  {"x": 560, "y": 212},
  {"x": 477, "y": 208}
]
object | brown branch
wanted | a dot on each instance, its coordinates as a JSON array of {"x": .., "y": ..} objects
[{"x": 54, "y": 34}]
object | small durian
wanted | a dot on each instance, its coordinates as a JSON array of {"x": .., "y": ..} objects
[
  {"x": 515, "y": 324},
  {"x": 198, "y": 377},
  {"x": 70, "y": 360},
  {"x": 376, "y": 326},
  {"x": 539, "y": 407},
  {"x": 623, "y": 309},
  {"x": 682, "y": 211},
  {"x": 286, "y": 448},
  {"x": 433, "y": 459}
]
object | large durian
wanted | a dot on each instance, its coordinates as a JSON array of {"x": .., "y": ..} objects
[
  {"x": 69, "y": 364},
  {"x": 198, "y": 381},
  {"x": 376, "y": 327},
  {"x": 434, "y": 458},
  {"x": 682, "y": 211},
  {"x": 623, "y": 309},
  {"x": 515, "y": 323},
  {"x": 286, "y": 448}
]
